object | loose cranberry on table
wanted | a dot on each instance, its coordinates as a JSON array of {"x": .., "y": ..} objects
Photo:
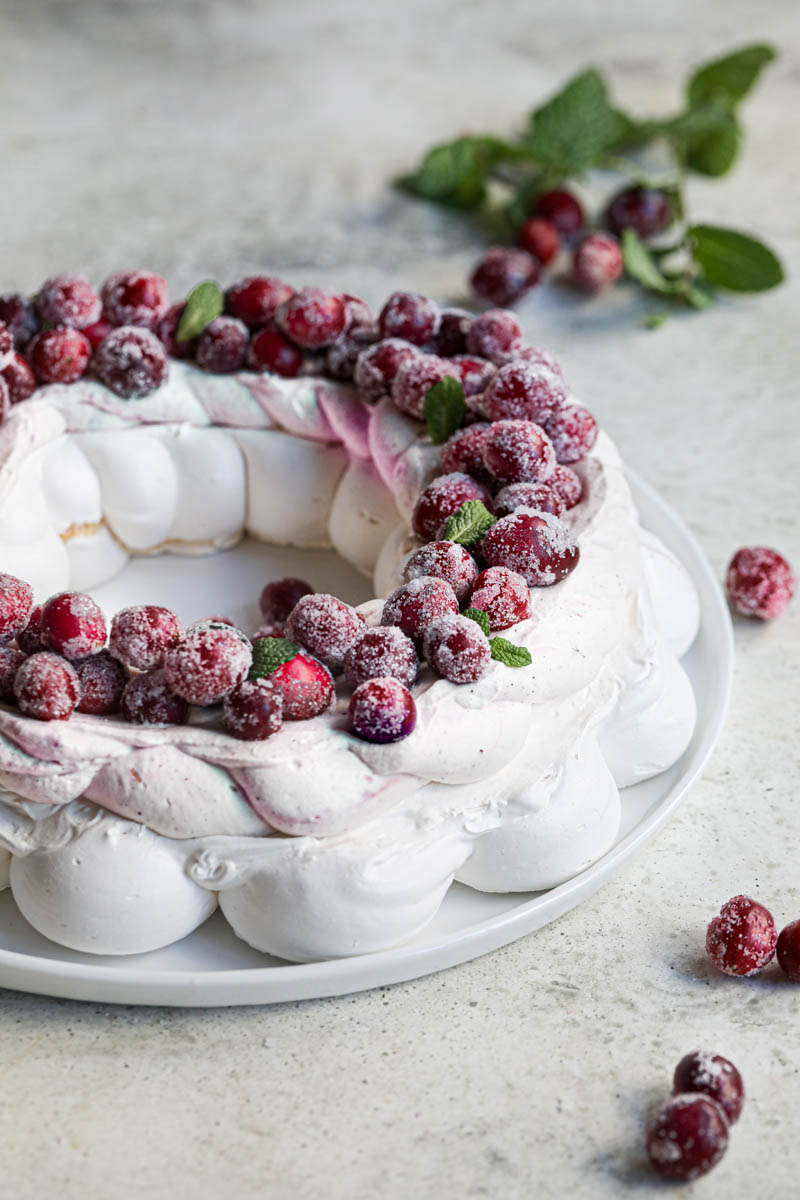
[
  {"x": 451, "y": 336},
  {"x": 131, "y": 362},
  {"x": 72, "y": 625},
  {"x": 19, "y": 314},
  {"x": 524, "y": 391},
  {"x": 222, "y": 346},
  {"x": 788, "y": 951},
  {"x": 59, "y": 355},
  {"x": 68, "y": 300},
  {"x": 539, "y": 496},
  {"x": 142, "y": 633},
  {"x": 742, "y": 939},
  {"x": 518, "y": 452},
  {"x": 135, "y": 298},
  {"x": 457, "y": 648},
  {"x": 463, "y": 452},
  {"x": 562, "y": 209},
  {"x": 444, "y": 560},
  {"x": 414, "y": 379},
  {"x": 270, "y": 350},
  {"x": 503, "y": 595},
  {"x": 538, "y": 546},
  {"x": 410, "y": 316},
  {"x": 495, "y": 335},
  {"x": 279, "y": 596},
  {"x": 29, "y": 639},
  {"x": 326, "y": 626},
  {"x": 377, "y": 366},
  {"x": 760, "y": 582},
  {"x": 597, "y": 262},
  {"x": 441, "y": 499},
  {"x": 566, "y": 483},
  {"x": 20, "y": 379},
  {"x": 381, "y": 652},
  {"x": 210, "y": 661},
  {"x": 306, "y": 685},
  {"x": 102, "y": 680},
  {"x": 540, "y": 238},
  {"x": 256, "y": 299},
  {"x": 313, "y": 317},
  {"x": 647, "y": 211},
  {"x": 148, "y": 700},
  {"x": 167, "y": 330},
  {"x": 46, "y": 687},
  {"x": 714, "y": 1076},
  {"x": 504, "y": 275},
  {"x": 382, "y": 710},
  {"x": 573, "y": 432},
  {"x": 11, "y": 660},
  {"x": 415, "y": 605},
  {"x": 686, "y": 1136},
  {"x": 253, "y": 711}
]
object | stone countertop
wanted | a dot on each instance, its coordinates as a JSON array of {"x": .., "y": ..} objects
[{"x": 211, "y": 138}]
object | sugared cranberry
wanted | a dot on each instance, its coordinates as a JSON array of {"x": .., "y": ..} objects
[
  {"x": 326, "y": 626},
  {"x": 95, "y": 333},
  {"x": 451, "y": 336},
  {"x": 30, "y": 639},
  {"x": 540, "y": 238},
  {"x": 686, "y": 1136},
  {"x": 256, "y": 299},
  {"x": 5, "y": 399},
  {"x": 760, "y": 582},
  {"x": 131, "y": 362},
  {"x": 72, "y": 625},
  {"x": 306, "y": 685},
  {"x": 361, "y": 320},
  {"x": 377, "y": 366},
  {"x": 410, "y": 316},
  {"x": 167, "y": 330},
  {"x": 457, "y": 648},
  {"x": 313, "y": 317},
  {"x": 475, "y": 373},
  {"x": 503, "y": 595},
  {"x": 59, "y": 355},
  {"x": 742, "y": 939},
  {"x": 714, "y": 1076},
  {"x": 135, "y": 298},
  {"x": 68, "y": 300},
  {"x": 562, "y": 209},
  {"x": 518, "y": 452},
  {"x": 279, "y": 597},
  {"x": 46, "y": 687},
  {"x": 538, "y": 546},
  {"x": 441, "y": 499},
  {"x": 503, "y": 275},
  {"x": 573, "y": 432},
  {"x": 19, "y": 315},
  {"x": 382, "y": 710},
  {"x": 382, "y": 652},
  {"x": 6, "y": 344},
  {"x": 415, "y": 605},
  {"x": 342, "y": 356},
  {"x": 102, "y": 679},
  {"x": 211, "y": 660},
  {"x": 789, "y": 951},
  {"x": 414, "y": 379},
  {"x": 463, "y": 452},
  {"x": 19, "y": 378},
  {"x": 11, "y": 660},
  {"x": 645, "y": 210},
  {"x": 142, "y": 634},
  {"x": 540, "y": 496},
  {"x": 444, "y": 560},
  {"x": 567, "y": 484},
  {"x": 222, "y": 346},
  {"x": 526, "y": 392},
  {"x": 148, "y": 700},
  {"x": 495, "y": 335},
  {"x": 597, "y": 262},
  {"x": 541, "y": 358},
  {"x": 253, "y": 711},
  {"x": 269, "y": 350}
]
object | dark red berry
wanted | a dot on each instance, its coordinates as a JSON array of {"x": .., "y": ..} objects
[
  {"x": 789, "y": 951},
  {"x": 46, "y": 687},
  {"x": 540, "y": 238},
  {"x": 503, "y": 275},
  {"x": 306, "y": 685},
  {"x": 410, "y": 316},
  {"x": 135, "y": 298},
  {"x": 20, "y": 379},
  {"x": 11, "y": 660},
  {"x": 342, "y": 356},
  {"x": 142, "y": 634},
  {"x": 539, "y": 496},
  {"x": 16, "y": 603},
  {"x": 714, "y": 1076},
  {"x": 444, "y": 560},
  {"x": 503, "y": 595},
  {"x": 573, "y": 431},
  {"x": 686, "y": 1136},
  {"x": 597, "y": 262},
  {"x": 526, "y": 392},
  {"x": 382, "y": 652},
  {"x": 495, "y": 335},
  {"x": 376, "y": 367},
  {"x": 742, "y": 939},
  {"x": 6, "y": 344},
  {"x": 567, "y": 484},
  {"x": 475, "y": 373},
  {"x": 95, "y": 333},
  {"x": 167, "y": 330},
  {"x": 68, "y": 300},
  {"x": 451, "y": 336},
  {"x": 760, "y": 582},
  {"x": 415, "y": 605},
  {"x": 457, "y": 648},
  {"x": 463, "y": 452},
  {"x": 19, "y": 314},
  {"x": 279, "y": 596},
  {"x": 538, "y": 546},
  {"x": 256, "y": 299},
  {"x": 562, "y": 209},
  {"x": 222, "y": 346},
  {"x": 131, "y": 362},
  {"x": 102, "y": 680},
  {"x": 540, "y": 357},
  {"x": 253, "y": 711},
  {"x": 361, "y": 320},
  {"x": 148, "y": 700},
  {"x": 211, "y": 660},
  {"x": 441, "y": 499},
  {"x": 270, "y": 351},
  {"x": 59, "y": 355},
  {"x": 414, "y": 379},
  {"x": 30, "y": 639},
  {"x": 382, "y": 710},
  {"x": 72, "y": 625},
  {"x": 5, "y": 399},
  {"x": 518, "y": 452},
  {"x": 644, "y": 210},
  {"x": 313, "y": 317},
  {"x": 326, "y": 626}
]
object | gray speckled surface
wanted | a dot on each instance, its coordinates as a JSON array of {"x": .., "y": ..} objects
[{"x": 207, "y": 138}]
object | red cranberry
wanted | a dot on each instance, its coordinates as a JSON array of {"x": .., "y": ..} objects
[
  {"x": 789, "y": 951},
  {"x": 444, "y": 560},
  {"x": 409, "y": 316},
  {"x": 457, "y": 648},
  {"x": 72, "y": 625},
  {"x": 561, "y": 209},
  {"x": 378, "y": 653},
  {"x": 742, "y": 939},
  {"x": 451, "y": 336},
  {"x": 208, "y": 663},
  {"x": 59, "y": 355},
  {"x": 20, "y": 316},
  {"x": 313, "y": 317},
  {"x": 540, "y": 357},
  {"x": 415, "y": 605},
  {"x": 714, "y": 1076},
  {"x": 463, "y": 452},
  {"x": 540, "y": 496},
  {"x": 326, "y": 626},
  {"x": 686, "y": 1136},
  {"x": 540, "y": 238},
  {"x": 414, "y": 379},
  {"x": 361, "y": 320},
  {"x": 518, "y": 452},
  {"x": 503, "y": 595},
  {"x": 255, "y": 300},
  {"x": 382, "y": 710},
  {"x": 645, "y": 210},
  {"x": 222, "y": 346},
  {"x": 538, "y": 546},
  {"x": 760, "y": 582},
  {"x": 441, "y": 499},
  {"x": 503, "y": 275},
  {"x": 46, "y": 687},
  {"x": 19, "y": 378},
  {"x": 102, "y": 681},
  {"x": 573, "y": 432},
  {"x": 526, "y": 392},
  {"x": 475, "y": 373},
  {"x": 496, "y": 335},
  {"x": 11, "y": 660},
  {"x": 306, "y": 685},
  {"x": 279, "y": 596},
  {"x": 30, "y": 639},
  {"x": 68, "y": 300},
  {"x": 6, "y": 344},
  {"x": 95, "y": 333},
  {"x": 142, "y": 634},
  {"x": 566, "y": 484},
  {"x": 597, "y": 262},
  {"x": 135, "y": 298},
  {"x": 271, "y": 351},
  {"x": 253, "y": 711},
  {"x": 5, "y": 399},
  {"x": 131, "y": 362},
  {"x": 342, "y": 356},
  {"x": 147, "y": 700},
  {"x": 167, "y": 330},
  {"x": 376, "y": 367}
]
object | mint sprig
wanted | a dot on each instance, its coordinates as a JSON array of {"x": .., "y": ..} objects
[
  {"x": 203, "y": 305},
  {"x": 269, "y": 653},
  {"x": 455, "y": 173},
  {"x": 469, "y": 523},
  {"x": 506, "y": 652},
  {"x": 480, "y": 618},
  {"x": 445, "y": 409},
  {"x": 574, "y": 129}
]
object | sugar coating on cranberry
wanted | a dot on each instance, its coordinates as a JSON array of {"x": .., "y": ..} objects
[
  {"x": 253, "y": 711},
  {"x": 167, "y": 330},
  {"x": 573, "y": 432},
  {"x": 256, "y": 299},
  {"x": 444, "y": 560},
  {"x": 342, "y": 356},
  {"x": 414, "y": 379},
  {"x": 19, "y": 314},
  {"x": 495, "y": 335},
  {"x": 503, "y": 595},
  {"x": 742, "y": 939},
  {"x": 537, "y": 545},
  {"x": 361, "y": 320},
  {"x": 567, "y": 484},
  {"x": 306, "y": 685},
  {"x": 222, "y": 346},
  {"x": 59, "y": 355},
  {"x": 5, "y": 399},
  {"x": 518, "y": 452},
  {"x": 279, "y": 596},
  {"x": 11, "y": 660},
  {"x": 760, "y": 582},
  {"x": 68, "y": 300},
  {"x": 376, "y": 367},
  {"x": 686, "y": 1136},
  {"x": 148, "y": 700},
  {"x": 16, "y": 603},
  {"x": 415, "y": 605},
  {"x": 313, "y": 317},
  {"x": 72, "y": 625},
  {"x": 562, "y": 209},
  {"x": 378, "y": 653},
  {"x": 541, "y": 357},
  {"x": 645, "y": 210},
  {"x": 457, "y": 648},
  {"x": 410, "y": 316},
  {"x": 503, "y": 275},
  {"x": 441, "y": 499},
  {"x": 326, "y": 626},
  {"x": 270, "y": 350},
  {"x": 102, "y": 680},
  {"x": 46, "y": 687},
  {"x": 135, "y": 298},
  {"x": 6, "y": 344},
  {"x": 524, "y": 391},
  {"x": 210, "y": 662},
  {"x": 382, "y": 710},
  {"x": 540, "y": 238},
  {"x": 475, "y": 373},
  {"x": 539, "y": 496},
  {"x": 451, "y": 336},
  {"x": 714, "y": 1076},
  {"x": 131, "y": 362},
  {"x": 788, "y": 951},
  {"x": 463, "y": 452},
  {"x": 597, "y": 262},
  {"x": 141, "y": 635},
  {"x": 20, "y": 379},
  {"x": 29, "y": 639}
]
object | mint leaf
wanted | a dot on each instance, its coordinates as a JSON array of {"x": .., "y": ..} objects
[
  {"x": 445, "y": 408},
  {"x": 734, "y": 260},
  {"x": 506, "y": 652},
  {"x": 573, "y": 130},
  {"x": 654, "y": 321},
  {"x": 714, "y": 152},
  {"x": 480, "y": 618},
  {"x": 640, "y": 265},
  {"x": 204, "y": 303},
  {"x": 469, "y": 523},
  {"x": 729, "y": 79},
  {"x": 455, "y": 173},
  {"x": 269, "y": 653}
]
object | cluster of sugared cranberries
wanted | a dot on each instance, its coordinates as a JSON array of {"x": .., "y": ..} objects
[
  {"x": 688, "y": 1134},
  {"x": 743, "y": 939}
]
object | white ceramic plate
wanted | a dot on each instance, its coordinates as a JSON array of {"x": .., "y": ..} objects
[{"x": 212, "y": 967}]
